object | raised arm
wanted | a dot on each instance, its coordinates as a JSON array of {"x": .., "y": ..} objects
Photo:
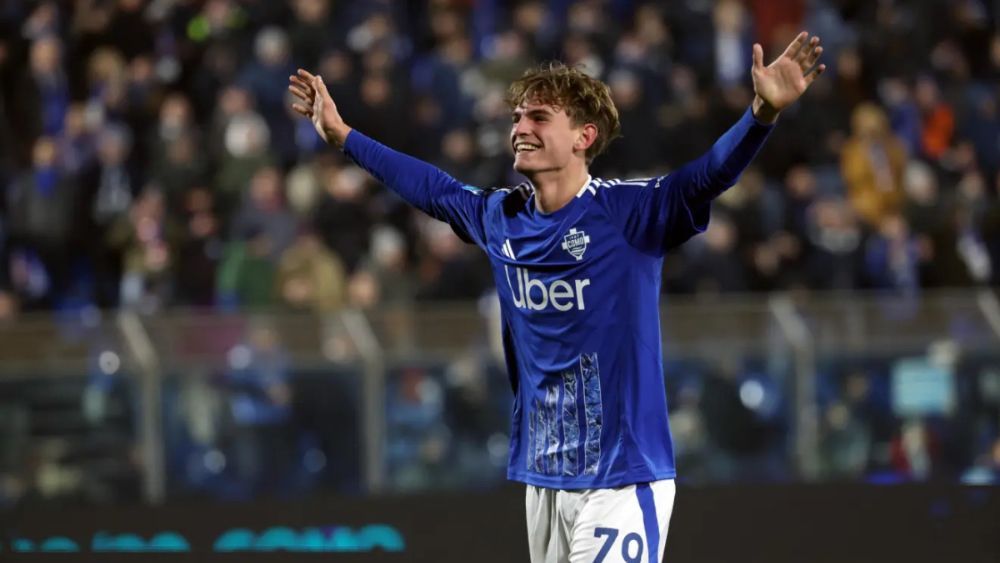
[
  {"x": 426, "y": 187},
  {"x": 776, "y": 87},
  {"x": 660, "y": 213}
]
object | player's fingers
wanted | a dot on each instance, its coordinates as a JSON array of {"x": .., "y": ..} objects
[
  {"x": 300, "y": 93},
  {"x": 318, "y": 98},
  {"x": 305, "y": 74},
  {"x": 316, "y": 88},
  {"x": 813, "y": 57},
  {"x": 807, "y": 51},
  {"x": 304, "y": 84},
  {"x": 320, "y": 87},
  {"x": 302, "y": 110},
  {"x": 813, "y": 74},
  {"x": 796, "y": 45},
  {"x": 758, "y": 56}
]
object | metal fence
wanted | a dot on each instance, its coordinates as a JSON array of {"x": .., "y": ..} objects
[{"x": 786, "y": 387}]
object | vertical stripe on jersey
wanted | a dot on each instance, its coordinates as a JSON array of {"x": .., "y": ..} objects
[
  {"x": 529, "y": 457},
  {"x": 594, "y": 412},
  {"x": 570, "y": 425},
  {"x": 540, "y": 432},
  {"x": 552, "y": 428}
]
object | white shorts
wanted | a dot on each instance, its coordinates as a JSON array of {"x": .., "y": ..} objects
[{"x": 627, "y": 524}]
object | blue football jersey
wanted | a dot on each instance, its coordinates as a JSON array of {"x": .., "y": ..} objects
[{"x": 579, "y": 293}]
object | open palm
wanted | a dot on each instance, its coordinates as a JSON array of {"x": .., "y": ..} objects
[
  {"x": 783, "y": 81},
  {"x": 314, "y": 102}
]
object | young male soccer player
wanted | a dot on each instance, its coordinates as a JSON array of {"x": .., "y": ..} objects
[{"x": 577, "y": 265}]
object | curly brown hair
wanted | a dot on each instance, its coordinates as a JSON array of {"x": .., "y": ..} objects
[{"x": 584, "y": 99}]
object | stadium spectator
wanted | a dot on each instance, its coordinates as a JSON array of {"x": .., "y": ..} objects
[
  {"x": 342, "y": 215},
  {"x": 982, "y": 128},
  {"x": 892, "y": 256},
  {"x": 638, "y": 149},
  {"x": 272, "y": 63},
  {"x": 175, "y": 156},
  {"x": 264, "y": 210},
  {"x": 244, "y": 139},
  {"x": 146, "y": 239},
  {"x": 247, "y": 271},
  {"x": 108, "y": 189},
  {"x": 388, "y": 266},
  {"x": 937, "y": 117},
  {"x": 77, "y": 141},
  {"x": 834, "y": 246},
  {"x": 41, "y": 202},
  {"x": 460, "y": 153},
  {"x": 417, "y": 438},
  {"x": 715, "y": 265},
  {"x": 199, "y": 250},
  {"x": 450, "y": 269},
  {"x": 259, "y": 394},
  {"x": 48, "y": 79},
  {"x": 310, "y": 277},
  {"x": 788, "y": 246},
  {"x": 872, "y": 164},
  {"x": 310, "y": 30}
]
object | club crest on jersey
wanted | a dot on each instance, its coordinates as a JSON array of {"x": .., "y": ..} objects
[{"x": 575, "y": 242}]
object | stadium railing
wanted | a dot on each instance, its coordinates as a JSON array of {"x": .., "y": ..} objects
[{"x": 789, "y": 387}]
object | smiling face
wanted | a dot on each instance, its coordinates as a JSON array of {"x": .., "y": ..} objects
[
  {"x": 561, "y": 117},
  {"x": 543, "y": 138}
]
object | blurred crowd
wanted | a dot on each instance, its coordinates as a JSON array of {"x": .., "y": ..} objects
[
  {"x": 883, "y": 419},
  {"x": 150, "y": 157}
]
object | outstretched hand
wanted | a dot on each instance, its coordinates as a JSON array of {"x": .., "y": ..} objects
[
  {"x": 318, "y": 106},
  {"x": 781, "y": 83}
]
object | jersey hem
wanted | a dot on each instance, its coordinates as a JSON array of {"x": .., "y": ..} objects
[{"x": 589, "y": 482}]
